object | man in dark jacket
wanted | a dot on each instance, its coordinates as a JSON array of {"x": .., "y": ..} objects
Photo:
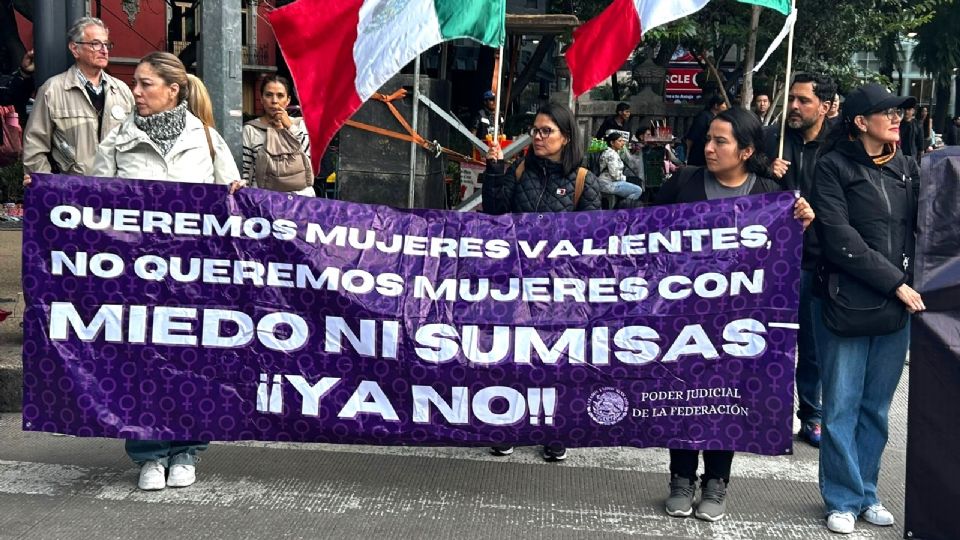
[
  {"x": 951, "y": 134},
  {"x": 696, "y": 137},
  {"x": 809, "y": 101},
  {"x": 617, "y": 122},
  {"x": 911, "y": 135}
]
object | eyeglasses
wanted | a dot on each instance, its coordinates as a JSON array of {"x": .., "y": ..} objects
[
  {"x": 543, "y": 132},
  {"x": 97, "y": 45},
  {"x": 891, "y": 113}
]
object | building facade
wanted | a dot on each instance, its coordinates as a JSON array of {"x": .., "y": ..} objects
[
  {"x": 143, "y": 26},
  {"x": 916, "y": 83}
]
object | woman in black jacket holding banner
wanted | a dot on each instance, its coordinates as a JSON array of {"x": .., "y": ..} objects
[
  {"x": 549, "y": 179},
  {"x": 736, "y": 167},
  {"x": 865, "y": 196}
]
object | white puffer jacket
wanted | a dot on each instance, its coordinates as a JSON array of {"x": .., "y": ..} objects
[{"x": 128, "y": 152}]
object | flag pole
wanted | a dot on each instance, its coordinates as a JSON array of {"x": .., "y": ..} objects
[
  {"x": 786, "y": 82},
  {"x": 496, "y": 88},
  {"x": 413, "y": 126}
]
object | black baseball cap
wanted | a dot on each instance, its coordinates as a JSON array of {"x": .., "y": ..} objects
[{"x": 873, "y": 98}]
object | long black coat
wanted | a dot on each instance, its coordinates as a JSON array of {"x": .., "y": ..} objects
[{"x": 862, "y": 212}]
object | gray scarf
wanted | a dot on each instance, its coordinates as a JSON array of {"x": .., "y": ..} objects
[{"x": 164, "y": 128}]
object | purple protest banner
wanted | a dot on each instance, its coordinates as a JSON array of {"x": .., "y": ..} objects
[{"x": 161, "y": 310}]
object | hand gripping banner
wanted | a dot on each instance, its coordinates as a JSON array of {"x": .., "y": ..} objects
[{"x": 161, "y": 310}]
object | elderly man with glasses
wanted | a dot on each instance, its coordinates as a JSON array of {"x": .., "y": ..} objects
[{"x": 76, "y": 109}]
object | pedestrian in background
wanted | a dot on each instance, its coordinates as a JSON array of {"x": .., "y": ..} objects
[
  {"x": 276, "y": 148},
  {"x": 163, "y": 140},
  {"x": 617, "y": 122},
  {"x": 911, "y": 135},
  {"x": 696, "y": 136},
  {"x": 17, "y": 87},
  {"x": 951, "y": 132},
  {"x": 809, "y": 99},
  {"x": 865, "y": 197},
  {"x": 926, "y": 127},
  {"x": 761, "y": 105},
  {"x": 613, "y": 180},
  {"x": 735, "y": 167},
  {"x": 549, "y": 179},
  {"x": 76, "y": 109}
]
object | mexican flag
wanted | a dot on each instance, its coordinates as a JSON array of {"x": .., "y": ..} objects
[
  {"x": 341, "y": 52},
  {"x": 602, "y": 45}
]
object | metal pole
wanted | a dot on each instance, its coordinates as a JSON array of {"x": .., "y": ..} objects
[
  {"x": 221, "y": 68},
  {"x": 444, "y": 59},
  {"x": 413, "y": 124},
  {"x": 496, "y": 113},
  {"x": 49, "y": 39},
  {"x": 786, "y": 80},
  {"x": 75, "y": 10}
]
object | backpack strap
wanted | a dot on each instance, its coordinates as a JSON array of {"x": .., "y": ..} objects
[
  {"x": 519, "y": 170},
  {"x": 213, "y": 153},
  {"x": 578, "y": 187}
]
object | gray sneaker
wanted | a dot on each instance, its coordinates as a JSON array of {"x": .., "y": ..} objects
[
  {"x": 713, "y": 500},
  {"x": 680, "y": 502}
]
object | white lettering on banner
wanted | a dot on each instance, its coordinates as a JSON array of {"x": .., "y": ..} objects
[
  {"x": 516, "y": 405},
  {"x": 239, "y": 272},
  {"x": 412, "y": 245},
  {"x": 359, "y": 404},
  {"x": 633, "y": 345},
  {"x": 108, "y": 318},
  {"x": 310, "y": 395},
  {"x": 493, "y": 405},
  {"x": 101, "y": 265},
  {"x": 434, "y": 343},
  {"x": 177, "y": 326},
  {"x": 366, "y": 343},
  {"x": 455, "y": 412},
  {"x": 194, "y": 224},
  {"x": 593, "y": 290}
]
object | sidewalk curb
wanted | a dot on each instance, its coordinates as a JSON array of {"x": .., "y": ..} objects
[{"x": 11, "y": 388}]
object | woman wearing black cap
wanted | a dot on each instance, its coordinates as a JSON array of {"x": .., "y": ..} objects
[{"x": 865, "y": 199}]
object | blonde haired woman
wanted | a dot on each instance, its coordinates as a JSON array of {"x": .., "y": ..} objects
[
  {"x": 199, "y": 102},
  {"x": 165, "y": 141}
]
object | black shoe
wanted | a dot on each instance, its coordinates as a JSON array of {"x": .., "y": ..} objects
[
  {"x": 554, "y": 453},
  {"x": 501, "y": 451}
]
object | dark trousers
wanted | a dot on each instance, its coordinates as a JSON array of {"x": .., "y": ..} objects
[
  {"x": 808, "y": 368},
  {"x": 716, "y": 464}
]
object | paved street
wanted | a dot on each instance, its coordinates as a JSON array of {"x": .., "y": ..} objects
[{"x": 64, "y": 487}]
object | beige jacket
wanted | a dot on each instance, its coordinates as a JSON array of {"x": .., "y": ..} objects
[
  {"x": 128, "y": 152},
  {"x": 63, "y": 125}
]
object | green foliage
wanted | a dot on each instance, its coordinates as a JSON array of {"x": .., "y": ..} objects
[
  {"x": 11, "y": 183},
  {"x": 827, "y": 33},
  {"x": 938, "y": 43}
]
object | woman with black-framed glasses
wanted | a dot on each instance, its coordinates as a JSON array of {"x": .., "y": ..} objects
[
  {"x": 865, "y": 198},
  {"x": 549, "y": 179}
]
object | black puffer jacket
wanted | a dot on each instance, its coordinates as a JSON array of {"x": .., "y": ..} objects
[
  {"x": 862, "y": 212},
  {"x": 542, "y": 188}
]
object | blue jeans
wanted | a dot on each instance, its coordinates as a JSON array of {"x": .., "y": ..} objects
[
  {"x": 860, "y": 376},
  {"x": 808, "y": 371},
  {"x": 625, "y": 190},
  {"x": 167, "y": 452}
]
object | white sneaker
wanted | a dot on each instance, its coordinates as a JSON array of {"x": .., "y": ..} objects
[
  {"x": 181, "y": 475},
  {"x": 841, "y": 522},
  {"x": 152, "y": 476},
  {"x": 878, "y": 515}
]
